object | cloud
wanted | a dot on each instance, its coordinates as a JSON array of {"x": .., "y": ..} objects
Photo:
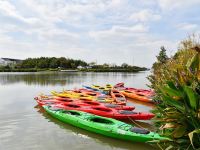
[
  {"x": 9, "y": 10},
  {"x": 187, "y": 27},
  {"x": 145, "y": 16},
  {"x": 178, "y": 4},
  {"x": 119, "y": 31}
]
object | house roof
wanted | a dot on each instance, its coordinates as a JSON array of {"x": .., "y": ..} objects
[{"x": 11, "y": 59}]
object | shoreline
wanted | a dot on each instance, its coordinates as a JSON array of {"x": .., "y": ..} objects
[{"x": 75, "y": 70}]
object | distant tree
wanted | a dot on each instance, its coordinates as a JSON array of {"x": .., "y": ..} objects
[
  {"x": 43, "y": 63},
  {"x": 53, "y": 63},
  {"x": 124, "y": 65},
  {"x": 28, "y": 63},
  {"x": 162, "y": 56},
  {"x": 63, "y": 62}
]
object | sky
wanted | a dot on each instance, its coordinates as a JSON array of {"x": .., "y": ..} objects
[{"x": 104, "y": 31}]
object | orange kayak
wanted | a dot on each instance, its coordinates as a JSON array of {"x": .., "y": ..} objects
[{"x": 136, "y": 96}]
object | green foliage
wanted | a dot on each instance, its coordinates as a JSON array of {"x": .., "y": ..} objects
[
  {"x": 177, "y": 84},
  {"x": 162, "y": 57},
  {"x": 52, "y": 62}
]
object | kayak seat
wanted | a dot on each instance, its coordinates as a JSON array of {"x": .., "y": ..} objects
[
  {"x": 100, "y": 120},
  {"x": 127, "y": 112},
  {"x": 102, "y": 109},
  {"x": 91, "y": 103},
  {"x": 122, "y": 99},
  {"x": 72, "y": 105},
  {"x": 117, "y": 95},
  {"x": 83, "y": 99},
  {"x": 140, "y": 95},
  {"x": 66, "y": 100},
  {"x": 139, "y": 130},
  {"x": 92, "y": 94},
  {"x": 127, "y": 91},
  {"x": 49, "y": 103},
  {"x": 111, "y": 105}
]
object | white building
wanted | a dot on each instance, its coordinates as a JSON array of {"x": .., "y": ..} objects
[{"x": 9, "y": 61}]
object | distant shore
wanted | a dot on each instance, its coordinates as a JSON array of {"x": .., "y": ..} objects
[
  {"x": 74, "y": 70},
  {"x": 62, "y": 64}
]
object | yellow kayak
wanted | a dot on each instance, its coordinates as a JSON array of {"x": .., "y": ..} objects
[
  {"x": 100, "y": 88},
  {"x": 74, "y": 95},
  {"x": 104, "y": 89},
  {"x": 108, "y": 87}
]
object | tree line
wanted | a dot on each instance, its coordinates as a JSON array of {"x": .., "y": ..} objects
[
  {"x": 51, "y": 62},
  {"x": 54, "y": 64}
]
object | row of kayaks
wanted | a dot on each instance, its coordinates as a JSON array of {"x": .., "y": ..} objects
[
  {"x": 115, "y": 94},
  {"x": 133, "y": 93},
  {"x": 98, "y": 109},
  {"x": 102, "y": 109}
]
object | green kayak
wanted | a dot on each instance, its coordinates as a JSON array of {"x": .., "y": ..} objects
[{"x": 105, "y": 126}]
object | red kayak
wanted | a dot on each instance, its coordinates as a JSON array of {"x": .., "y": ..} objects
[
  {"x": 107, "y": 112},
  {"x": 118, "y": 97},
  {"x": 81, "y": 102}
]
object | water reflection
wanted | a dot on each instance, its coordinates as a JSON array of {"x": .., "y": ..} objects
[
  {"x": 102, "y": 140},
  {"x": 65, "y": 78},
  {"x": 43, "y": 79}
]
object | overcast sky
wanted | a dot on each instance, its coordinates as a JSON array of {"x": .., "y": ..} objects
[{"x": 111, "y": 31}]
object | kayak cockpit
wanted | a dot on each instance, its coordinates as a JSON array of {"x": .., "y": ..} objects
[{"x": 100, "y": 120}]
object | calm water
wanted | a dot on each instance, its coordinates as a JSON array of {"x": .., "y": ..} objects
[{"x": 25, "y": 126}]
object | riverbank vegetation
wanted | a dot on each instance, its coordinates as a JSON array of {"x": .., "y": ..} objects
[
  {"x": 62, "y": 63},
  {"x": 176, "y": 81}
]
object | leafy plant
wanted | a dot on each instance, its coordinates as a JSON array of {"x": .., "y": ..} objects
[{"x": 177, "y": 84}]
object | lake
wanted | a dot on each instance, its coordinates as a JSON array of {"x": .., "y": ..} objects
[{"x": 25, "y": 126}]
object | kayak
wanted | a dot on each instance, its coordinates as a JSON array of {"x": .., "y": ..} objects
[
  {"x": 88, "y": 92},
  {"x": 102, "y": 99},
  {"x": 56, "y": 100},
  {"x": 143, "y": 92},
  {"x": 108, "y": 86},
  {"x": 107, "y": 112},
  {"x": 97, "y": 88},
  {"x": 118, "y": 97},
  {"x": 104, "y": 126},
  {"x": 136, "y": 96}
]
